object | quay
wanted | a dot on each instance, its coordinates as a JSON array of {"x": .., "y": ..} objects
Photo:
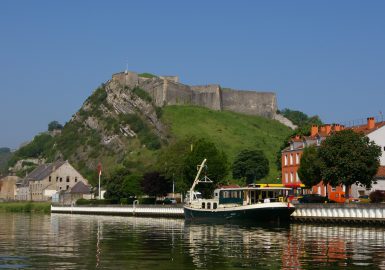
[
  {"x": 353, "y": 213},
  {"x": 134, "y": 210},
  {"x": 369, "y": 213}
]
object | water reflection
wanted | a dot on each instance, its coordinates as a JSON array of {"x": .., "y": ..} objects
[{"x": 104, "y": 242}]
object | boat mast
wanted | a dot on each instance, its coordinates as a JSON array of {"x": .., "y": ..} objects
[{"x": 196, "y": 181}]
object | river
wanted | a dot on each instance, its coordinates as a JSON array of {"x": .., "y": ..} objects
[{"x": 61, "y": 241}]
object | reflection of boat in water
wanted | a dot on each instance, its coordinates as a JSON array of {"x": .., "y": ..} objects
[{"x": 250, "y": 204}]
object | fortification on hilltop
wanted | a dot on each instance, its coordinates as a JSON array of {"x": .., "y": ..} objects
[{"x": 167, "y": 90}]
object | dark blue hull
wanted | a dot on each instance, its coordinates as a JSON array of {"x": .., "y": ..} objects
[{"x": 256, "y": 215}]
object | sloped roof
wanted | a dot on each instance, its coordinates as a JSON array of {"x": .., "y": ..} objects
[
  {"x": 43, "y": 171},
  {"x": 364, "y": 128},
  {"x": 380, "y": 172},
  {"x": 80, "y": 187}
]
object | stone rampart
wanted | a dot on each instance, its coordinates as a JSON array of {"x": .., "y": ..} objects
[
  {"x": 249, "y": 102},
  {"x": 167, "y": 90},
  {"x": 208, "y": 96}
]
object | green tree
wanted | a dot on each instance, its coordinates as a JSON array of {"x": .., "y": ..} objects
[
  {"x": 179, "y": 162},
  {"x": 251, "y": 165},
  {"x": 54, "y": 125},
  {"x": 154, "y": 184},
  {"x": 216, "y": 167},
  {"x": 310, "y": 167},
  {"x": 171, "y": 162},
  {"x": 122, "y": 184},
  {"x": 348, "y": 158}
]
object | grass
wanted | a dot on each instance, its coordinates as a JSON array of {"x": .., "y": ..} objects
[
  {"x": 231, "y": 132},
  {"x": 25, "y": 207}
]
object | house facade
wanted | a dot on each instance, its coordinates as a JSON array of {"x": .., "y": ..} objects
[
  {"x": 8, "y": 188},
  {"x": 290, "y": 162},
  {"x": 48, "y": 179}
]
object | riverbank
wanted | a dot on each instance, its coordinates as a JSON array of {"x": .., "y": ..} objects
[{"x": 25, "y": 207}]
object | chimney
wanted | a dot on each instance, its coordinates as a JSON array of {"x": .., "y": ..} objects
[
  {"x": 371, "y": 122},
  {"x": 314, "y": 130},
  {"x": 337, "y": 127},
  {"x": 323, "y": 129},
  {"x": 328, "y": 128}
]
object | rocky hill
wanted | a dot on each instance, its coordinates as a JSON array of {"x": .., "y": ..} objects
[{"x": 130, "y": 117}]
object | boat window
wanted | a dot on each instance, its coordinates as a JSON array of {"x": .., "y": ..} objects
[
  {"x": 203, "y": 205},
  {"x": 215, "y": 205},
  {"x": 208, "y": 205}
]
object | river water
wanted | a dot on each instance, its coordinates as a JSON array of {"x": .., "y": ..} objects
[{"x": 61, "y": 241}]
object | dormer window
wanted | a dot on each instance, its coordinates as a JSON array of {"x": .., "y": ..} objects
[{"x": 291, "y": 146}]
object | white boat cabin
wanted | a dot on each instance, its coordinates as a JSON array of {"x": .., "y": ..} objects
[{"x": 233, "y": 197}]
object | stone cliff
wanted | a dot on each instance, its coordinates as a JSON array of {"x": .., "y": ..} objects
[{"x": 167, "y": 90}]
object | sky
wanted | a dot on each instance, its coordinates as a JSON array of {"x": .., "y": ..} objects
[{"x": 324, "y": 58}]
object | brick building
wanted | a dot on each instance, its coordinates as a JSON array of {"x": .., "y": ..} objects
[{"x": 291, "y": 156}]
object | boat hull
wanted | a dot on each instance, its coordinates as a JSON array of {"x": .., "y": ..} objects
[{"x": 274, "y": 212}]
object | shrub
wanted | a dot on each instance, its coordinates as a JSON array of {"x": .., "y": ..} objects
[
  {"x": 377, "y": 196},
  {"x": 150, "y": 200},
  {"x": 142, "y": 94},
  {"x": 147, "y": 75}
]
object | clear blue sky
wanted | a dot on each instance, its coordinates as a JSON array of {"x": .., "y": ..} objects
[{"x": 320, "y": 57}]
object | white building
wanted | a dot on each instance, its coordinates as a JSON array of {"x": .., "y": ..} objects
[{"x": 375, "y": 132}]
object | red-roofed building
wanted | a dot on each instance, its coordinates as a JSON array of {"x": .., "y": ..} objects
[{"x": 291, "y": 156}]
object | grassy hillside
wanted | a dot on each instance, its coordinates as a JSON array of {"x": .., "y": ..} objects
[{"x": 230, "y": 131}]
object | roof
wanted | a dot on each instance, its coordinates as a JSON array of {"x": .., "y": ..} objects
[
  {"x": 380, "y": 173},
  {"x": 43, "y": 171},
  {"x": 80, "y": 187},
  {"x": 364, "y": 128}
]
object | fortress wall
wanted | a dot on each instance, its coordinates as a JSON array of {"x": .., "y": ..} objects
[
  {"x": 249, "y": 102},
  {"x": 177, "y": 93},
  {"x": 154, "y": 87},
  {"x": 207, "y": 96},
  {"x": 129, "y": 79}
]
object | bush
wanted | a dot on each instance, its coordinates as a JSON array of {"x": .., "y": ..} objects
[
  {"x": 150, "y": 200},
  {"x": 142, "y": 94},
  {"x": 94, "y": 202},
  {"x": 377, "y": 196},
  {"x": 147, "y": 75}
]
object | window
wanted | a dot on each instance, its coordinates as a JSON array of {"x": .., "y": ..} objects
[
  {"x": 49, "y": 178},
  {"x": 61, "y": 179},
  {"x": 208, "y": 205},
  {"x": 291, "y": 159},
  {"x": 297, "y": 158},
  {"x": 291, "y": 177},
  {"x": 67, "y": 179},
  {"x": 68, "y": 187},
  {"x": 333, "y": 189},
  {"x": 76, "y": 179},
  {"x": 286, "y": 177},
  {"x": 57, "y": 177},
  {"x": 215, "y": 205},
  {"x": 203, "y": 205},
  {"x": 297, "y": 177},
  {"x": 285, "y": 160}
]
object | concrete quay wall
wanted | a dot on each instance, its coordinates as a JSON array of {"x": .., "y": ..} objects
[
  {"x": 310, "y": 213},
  {"x": 135, "y": 210},
  {"x": 340, "y": 213}
]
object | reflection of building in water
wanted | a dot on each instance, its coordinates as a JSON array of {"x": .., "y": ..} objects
[{"x": 327, "y": 244}]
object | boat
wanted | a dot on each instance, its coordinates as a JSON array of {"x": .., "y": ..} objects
[{"x": 254, "y": 204}]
